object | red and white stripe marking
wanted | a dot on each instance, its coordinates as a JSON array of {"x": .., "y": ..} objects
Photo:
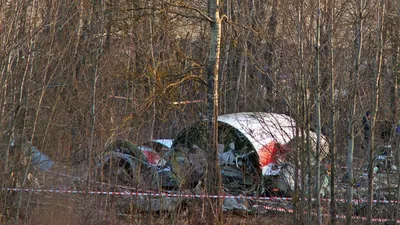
[
  {"x": 276, "y": 209},
  {"x": 155, "y": 194},
  {"x": 64, "y": 191}
]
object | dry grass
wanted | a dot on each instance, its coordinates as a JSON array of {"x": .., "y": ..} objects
[{"x": 56, "y": 208}]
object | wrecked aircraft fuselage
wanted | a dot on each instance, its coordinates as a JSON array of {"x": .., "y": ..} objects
[{"x": 253, "y": 147}]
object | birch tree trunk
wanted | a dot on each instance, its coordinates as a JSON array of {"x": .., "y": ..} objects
[
  {"x": 96, "y": 75},
  {"x": 213, "y": 175},
  {"x": 298, "y": 197},
  {"x": 332, "y": 137},
  {"x": 79, "y": 34},
  {"x": 153, "y": 73},
  {"x": 303, "y": 100},
  {"x": 396, "y": 73},
  {"x": 318, "y": 113},
  {"x": 375, "y": 105},
  {"x": 352, "y": 116},
  {"x": 270, "y": 56}
]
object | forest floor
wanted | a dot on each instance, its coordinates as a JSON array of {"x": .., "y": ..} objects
[{"x": 81, "y": 208}]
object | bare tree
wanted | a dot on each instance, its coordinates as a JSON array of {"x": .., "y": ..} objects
[
  {"x": 396, "y": 73},
  {"x": 332, "y": 123},
  {"x": 318, "y": 109},
  {"x": 375, "y": 104},
  {"x": 353, "y": 107},
  {"x": 299, "y": 194},
  {"x": 213, "y": 175}
]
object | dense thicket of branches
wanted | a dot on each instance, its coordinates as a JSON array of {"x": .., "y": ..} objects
[{"x": 75, "y": 74}]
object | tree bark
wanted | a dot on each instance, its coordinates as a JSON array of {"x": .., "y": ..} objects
[
  {"x": 375, "y": 105},
  {"x": 270, "y": 56},
  {"x": 352, "y": 116},
  {"x": 213, "y": 175},
  {"x": 96, "y": 76},
  {"x": 332, "y": 134},
  {"x": 303, "y": 105},
  {"x": 396, "y": 70},
  {"x": 318, "y": 112}
]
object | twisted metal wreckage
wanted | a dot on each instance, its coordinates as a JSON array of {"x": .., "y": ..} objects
[{"x": 255, "y": 154}]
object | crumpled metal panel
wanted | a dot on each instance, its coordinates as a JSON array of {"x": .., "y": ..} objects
[
  {"x": 260, "y": 128},
  {"x": 40, "y": 160},
  {"x": 165, "y": 142}
]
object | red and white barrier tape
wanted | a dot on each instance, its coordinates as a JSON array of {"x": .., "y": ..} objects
[
  {"x": 151, "y": 194},
  {"x": 359, "y": 201},
  {"x": 154, "y": 194},
  {"x": 326, "y": 215},
  {"x": 60, "y": 191}
]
